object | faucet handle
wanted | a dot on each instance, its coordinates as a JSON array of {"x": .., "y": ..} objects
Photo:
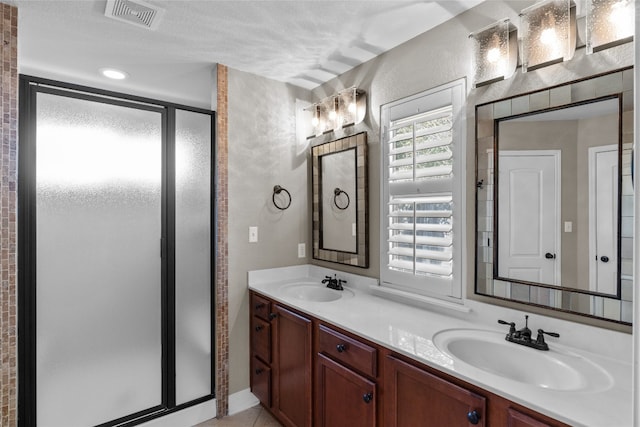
[
  {"x": 551, "y": 334},
  {"x": 541, "y": 345},
  {"x": 512, "y": 325}
]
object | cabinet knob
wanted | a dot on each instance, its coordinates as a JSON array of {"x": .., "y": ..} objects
[
  {"x": 367, "y": 397},
  {"x": 259, "y": 328},
  {"x": 473, "y": 417},
  {"x": 604, "y": 258},
  {"x": 260, "y": 305},
  {"x": 272, "y": 316},
  {"x": 341, "y": 348},
  {"x": 259, "y": 371}
]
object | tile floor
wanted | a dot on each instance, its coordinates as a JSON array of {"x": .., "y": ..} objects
[{"x": 252, "y": 417}]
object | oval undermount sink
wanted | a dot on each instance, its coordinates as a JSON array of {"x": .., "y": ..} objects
[
  {"x": 491, "y": 353},
  {"x": 317, "y": 292}
]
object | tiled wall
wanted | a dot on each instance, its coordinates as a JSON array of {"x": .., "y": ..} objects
[
  {"x": 8, "y": 211},
  {"x": 222, "y": 263}
]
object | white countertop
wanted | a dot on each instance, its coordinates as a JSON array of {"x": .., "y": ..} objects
[{"x": 409, "y": 330}]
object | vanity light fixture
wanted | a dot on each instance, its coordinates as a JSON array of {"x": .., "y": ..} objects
[
  {"x": 609, "y": 23},
  {"x": 495, "y": 52},
  {"x": 347, "y": 107},
  {"x": 548, "y": 33},
  {"x": 113, "y": 74}
]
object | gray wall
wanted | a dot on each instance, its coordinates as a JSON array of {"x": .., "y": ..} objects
[
  {"x": 263, "y": 150},
  {"x": 262, "y": 153}
]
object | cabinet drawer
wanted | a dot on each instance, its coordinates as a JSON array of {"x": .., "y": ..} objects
[
  {"x": 261, "y": 339},
  {"x": 260, "y": 307},
  {"x": 261, "y": 382},
  {"x": 348, "y": 351}
]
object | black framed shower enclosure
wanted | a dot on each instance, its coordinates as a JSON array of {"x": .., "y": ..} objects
[{"x": 116, "y": 256}]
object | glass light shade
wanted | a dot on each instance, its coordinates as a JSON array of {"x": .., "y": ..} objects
[
  {"x": 549, "y": 33},
  {"x": 495, "y": 52},
  {"x": 347, "y": 106},
  {"x": 317, "y": 119},
  {"x": 609, "y": 23}
]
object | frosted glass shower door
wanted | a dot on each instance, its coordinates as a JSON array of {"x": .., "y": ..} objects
[
  {"x": 98, "y": 270},
  {"x": 193, "y": 255}
]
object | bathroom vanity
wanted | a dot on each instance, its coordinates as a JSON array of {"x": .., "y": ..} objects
[{"x": 325, "y": 358}]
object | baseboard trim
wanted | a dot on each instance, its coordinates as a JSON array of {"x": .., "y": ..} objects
[{"x": 241, "y": 401}]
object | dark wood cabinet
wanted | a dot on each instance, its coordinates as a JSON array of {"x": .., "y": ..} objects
[
  {"x": 357, "y": 383},
  {"x": 518, "y": 419},
  {"x": 346, "y": 391},
  {"x": 415, "y": 397},
  {"x": 291, "y": 367},
  {"x": 260, "y": 363},
  {"x": 343, "y": 398}
]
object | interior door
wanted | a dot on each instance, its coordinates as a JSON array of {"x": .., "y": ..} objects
[
  {"x": 529, "y": 216},
  {"x": 603, "y": 214}
]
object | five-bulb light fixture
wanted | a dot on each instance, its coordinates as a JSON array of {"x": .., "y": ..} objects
[
  {"x": 345, "y": 108},
  {"x": 548, "y": 36}
]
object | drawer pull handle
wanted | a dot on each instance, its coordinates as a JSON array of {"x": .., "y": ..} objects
[
  {"x": 473, "y": 417},
  {"x": 341, "y": 348},
  {"x": 259, "y": 371},
  {"x": 260, "y": 305},
  {"x": 259, "y": 328},
  {"x": 272, "y": 316},
  {"x": 367, "y": 397}
]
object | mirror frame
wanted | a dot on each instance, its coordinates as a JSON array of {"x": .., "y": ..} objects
[
  {"x": 488, "y": 115},
  {"x": 360, "y": 258}
]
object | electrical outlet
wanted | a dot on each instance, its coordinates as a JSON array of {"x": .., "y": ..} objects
[
  {"x": 301, "y": 250},
  {"x": 568, "y": 226},
  {"x": 253, "y": 234}
]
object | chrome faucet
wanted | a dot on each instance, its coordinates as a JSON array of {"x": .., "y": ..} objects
[
  {"x": 523, "y": 336},
  {"x": 334, "y": 282}
]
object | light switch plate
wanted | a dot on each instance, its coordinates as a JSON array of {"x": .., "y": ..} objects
[
  {"x": 253, "y": 234},
  {"x": 301, "y": 250}
]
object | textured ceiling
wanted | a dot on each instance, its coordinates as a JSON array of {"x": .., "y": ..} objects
[{"x": 304, "y": 43}]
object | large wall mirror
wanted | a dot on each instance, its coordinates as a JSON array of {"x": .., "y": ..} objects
[
  {"x": 555, "y": 197},
  {"x": 340, "y": 201}
]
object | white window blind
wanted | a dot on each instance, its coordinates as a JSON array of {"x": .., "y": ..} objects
[{"x": 422, "y": 192}]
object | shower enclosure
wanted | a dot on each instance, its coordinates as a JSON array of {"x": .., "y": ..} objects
[{"x": 115, "y": 256}]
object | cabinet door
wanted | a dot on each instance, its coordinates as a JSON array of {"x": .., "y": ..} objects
[
  {"x": 518, "y": 419},
  {"x": 261, "y": 381},
  {"x": 414, "y": 397},
  {"x": 343, "y": 398},
  {"x": 291, "y": 368}
]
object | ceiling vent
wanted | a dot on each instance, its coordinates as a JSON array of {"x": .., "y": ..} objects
[{"x": 136, "y": 12}]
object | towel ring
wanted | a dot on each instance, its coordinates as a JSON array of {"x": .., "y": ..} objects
[
  {"x": 338, "y": 192},
  {"x": 277, "y": 190}
]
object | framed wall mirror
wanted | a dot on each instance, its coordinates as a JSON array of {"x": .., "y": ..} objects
[
  {"x": 554, "y": 197},
  {"x": 340, "y": 201}
]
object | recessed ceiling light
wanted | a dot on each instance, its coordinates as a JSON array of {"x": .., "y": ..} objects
[{"x": 112, "y": 73}]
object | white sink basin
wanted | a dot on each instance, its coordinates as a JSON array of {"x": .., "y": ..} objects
[
  {"x": 491, "y": 353},
  {"x": 317, "y": 292}
]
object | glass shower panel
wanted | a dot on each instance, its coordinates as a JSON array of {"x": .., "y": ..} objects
[
  {"x": 98, "y": 204},
  {"x": 193, "y": 255}
]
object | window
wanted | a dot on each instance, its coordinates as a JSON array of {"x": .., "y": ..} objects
[{"x": 422, "y": 201}]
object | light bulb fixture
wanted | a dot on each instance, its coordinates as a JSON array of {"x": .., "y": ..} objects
[
  {"x": 495, "y": 52},
  {"x": 346, "y": 108},
  {"x": 609, "y": 23},
  {"x": 113, "y": 74},
  {"x": 548, "y": 33}
]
